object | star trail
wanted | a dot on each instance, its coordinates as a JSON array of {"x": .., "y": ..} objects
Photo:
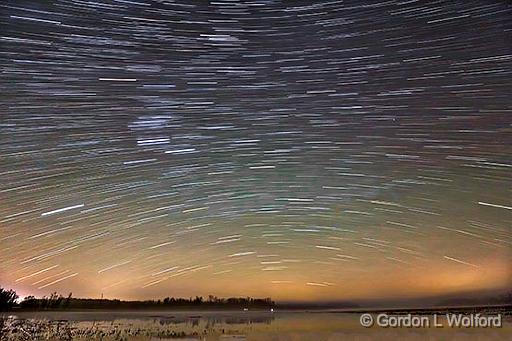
[{"x": 303, "y": 150}]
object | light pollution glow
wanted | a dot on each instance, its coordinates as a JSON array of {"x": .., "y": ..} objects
[{"x": 306, "y": 153}]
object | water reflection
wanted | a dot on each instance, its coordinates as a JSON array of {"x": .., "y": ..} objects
[
  {"x": 214, "y": 320},
  {"x": 220, "y": 326}
]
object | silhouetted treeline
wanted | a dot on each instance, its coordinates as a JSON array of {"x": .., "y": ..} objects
[
  {"x": 59, "y": 302},
  {"x": 51, "y": 302}
]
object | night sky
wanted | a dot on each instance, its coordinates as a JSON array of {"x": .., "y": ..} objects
[{"x": 303, "y": 150}]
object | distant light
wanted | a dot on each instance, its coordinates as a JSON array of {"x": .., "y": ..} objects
[{"x": 118, "y": 79}]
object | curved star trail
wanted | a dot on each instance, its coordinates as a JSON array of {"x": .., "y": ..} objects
[{"x": 299, "y": 150}]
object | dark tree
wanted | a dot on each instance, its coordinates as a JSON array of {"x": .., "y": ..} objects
[
  {"x": 31, "y": 303},
  {"x": 7, "y": 299},
  {"x": 67, "y": 301}
]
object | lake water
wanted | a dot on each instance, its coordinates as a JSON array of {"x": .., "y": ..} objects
[{"x": 246, "y": 325}]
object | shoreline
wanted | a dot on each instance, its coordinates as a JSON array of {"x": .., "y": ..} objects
[{"x": 275, "y": 310}]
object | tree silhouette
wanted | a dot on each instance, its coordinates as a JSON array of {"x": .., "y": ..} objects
[
  {"x": 7, "y": 299},
  {"x": 59, "y": 302}
]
